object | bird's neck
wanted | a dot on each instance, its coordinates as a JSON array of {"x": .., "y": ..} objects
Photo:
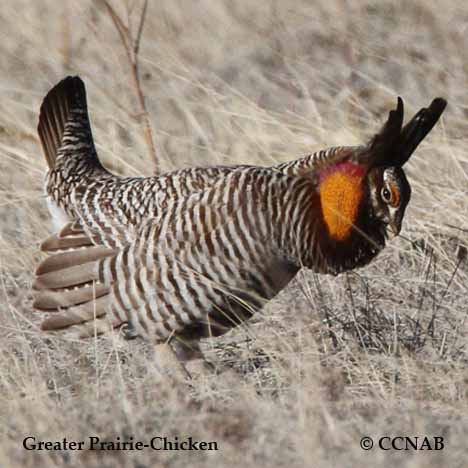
[
  {"x": 341, "y": 194},
  {"x": 323, "y": 226}
]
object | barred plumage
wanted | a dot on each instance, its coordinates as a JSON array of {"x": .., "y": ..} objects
[{"x": 194, "y": 252}]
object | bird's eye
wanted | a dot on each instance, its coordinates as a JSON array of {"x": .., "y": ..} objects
[{"x": 386, "y": 195}]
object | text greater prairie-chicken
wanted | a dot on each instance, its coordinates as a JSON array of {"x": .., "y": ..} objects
[{"x": 192, "y": 253}]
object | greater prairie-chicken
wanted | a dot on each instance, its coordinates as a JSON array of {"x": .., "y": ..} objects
[{"x": 192, "y": 253}]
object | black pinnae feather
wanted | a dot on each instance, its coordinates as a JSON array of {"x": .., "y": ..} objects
[
  {"x": 381, "y": 145},
  {"x": 394, "y": 145},
  {"x": 416, "y": 130},
  {"x": 394, "y": 123}
]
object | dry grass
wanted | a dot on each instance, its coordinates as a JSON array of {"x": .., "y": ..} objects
[{"x": 379, "y": 352}]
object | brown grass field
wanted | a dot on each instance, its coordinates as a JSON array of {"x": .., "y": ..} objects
[{"x": 379, "y": 352}]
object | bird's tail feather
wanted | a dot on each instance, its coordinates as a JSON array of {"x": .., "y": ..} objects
[
  {"x": 69, "y": 287},
  {"x": 64, "y": 128}
]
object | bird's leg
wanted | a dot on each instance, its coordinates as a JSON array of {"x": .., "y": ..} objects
[
  {"x": 189, "y": 353},
  {"x": 190, "y": 356},
  {"x": 169, "y": 362},
  {"x": 181, "y": 359}
]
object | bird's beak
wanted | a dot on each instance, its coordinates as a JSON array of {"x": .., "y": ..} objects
[{"x": 393, "y": 228}]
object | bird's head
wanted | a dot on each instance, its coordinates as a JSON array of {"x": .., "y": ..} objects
[
  {"x": 364, "y": 191},
  {"x": 386, "y": 153},
  {"x": 389, "y": 194}
]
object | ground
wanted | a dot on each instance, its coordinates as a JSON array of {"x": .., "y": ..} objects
[{"x": 380, "y": 352}]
